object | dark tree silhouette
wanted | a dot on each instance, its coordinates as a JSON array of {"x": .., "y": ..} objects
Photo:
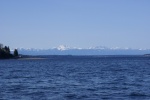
[
  {"x": 16, "y": 53},
  {"x": 5, "y": 52},
  {"x": 8, "y": 50}
]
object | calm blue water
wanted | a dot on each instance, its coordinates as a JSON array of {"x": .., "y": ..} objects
[{"x": 76, "y": 78}]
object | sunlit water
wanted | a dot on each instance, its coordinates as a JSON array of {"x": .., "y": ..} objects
[{"x": 76, "y": 78}]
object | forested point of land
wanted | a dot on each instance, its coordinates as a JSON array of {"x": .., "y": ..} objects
[{"x": 5, "y": 52}]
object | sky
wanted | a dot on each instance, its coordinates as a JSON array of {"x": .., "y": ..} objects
[{"x": 76, "y": 23}]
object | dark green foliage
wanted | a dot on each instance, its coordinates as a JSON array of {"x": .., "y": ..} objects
[
  {"x": 5, "y": 52},
  {"x": 16, "y": 53}
]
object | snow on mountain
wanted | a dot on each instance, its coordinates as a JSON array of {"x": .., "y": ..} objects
[
  {"x": 63, "y": 47},
  {"x": 98, "y": 50}
]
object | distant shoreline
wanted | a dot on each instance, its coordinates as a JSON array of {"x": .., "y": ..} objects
[
  {"x": 28, "y": 57},
  {"x": 31, "y": 58},
  {"x": 146, "y": 54},
  {"x": 41, "y": 57}
]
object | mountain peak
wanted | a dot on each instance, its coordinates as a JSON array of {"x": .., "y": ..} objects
[{"x": 63, "y": 47}]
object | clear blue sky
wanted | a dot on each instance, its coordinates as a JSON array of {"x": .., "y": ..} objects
[{"x": 76, "y": 23}]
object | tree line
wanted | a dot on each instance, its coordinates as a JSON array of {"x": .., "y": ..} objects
[{"x": 5, "y": 52}]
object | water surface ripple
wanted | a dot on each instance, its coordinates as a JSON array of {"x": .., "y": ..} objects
[{"x": 76, "y": 78}]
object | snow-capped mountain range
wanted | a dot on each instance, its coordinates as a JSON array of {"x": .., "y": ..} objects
[{"x": 98, "y": 50}]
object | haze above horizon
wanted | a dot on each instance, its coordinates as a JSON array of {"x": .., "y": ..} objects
[{"x": 76, "y": 23}]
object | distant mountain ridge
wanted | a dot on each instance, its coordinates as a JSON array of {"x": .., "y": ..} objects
[{"x": 99, "y": 50}]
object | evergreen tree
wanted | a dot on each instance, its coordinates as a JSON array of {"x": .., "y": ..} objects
[
  {"x": 5, "y": 52},
  {"x": 16, "y": 53},
  {"x": 8, "y": 50}
]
